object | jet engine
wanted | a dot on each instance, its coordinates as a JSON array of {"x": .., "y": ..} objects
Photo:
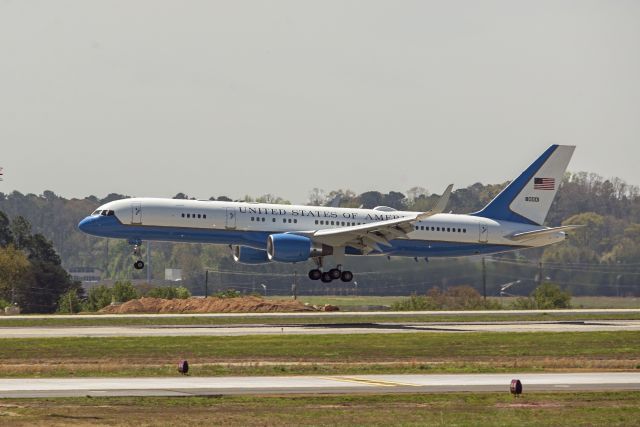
[
  {"x": 294, "y": 248},
  {"x": 248, "y": 255}
]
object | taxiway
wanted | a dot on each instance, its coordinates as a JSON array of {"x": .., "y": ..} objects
[{"x": 316, "y": 329}]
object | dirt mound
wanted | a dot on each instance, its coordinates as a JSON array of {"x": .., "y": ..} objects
[{"x": 207, "y": 305}]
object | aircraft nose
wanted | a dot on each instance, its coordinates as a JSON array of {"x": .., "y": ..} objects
[{"x": 88, "y": 224}]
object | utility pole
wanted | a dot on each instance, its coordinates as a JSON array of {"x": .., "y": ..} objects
[
  {"x": 149, "y": 262},
  {"x": 294, "y": 286},
  {"x": 206, "y": 283},
  {"x": 484, "y": 279},
  {"x": 540, "y": 273}
]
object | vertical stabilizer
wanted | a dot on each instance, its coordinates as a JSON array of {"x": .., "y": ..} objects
[{"x": 528, "y": 198}]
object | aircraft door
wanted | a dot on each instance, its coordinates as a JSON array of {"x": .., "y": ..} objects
[
  {"x": 484, "y": 233},
  {"x": 231, "y": 219},
  {"x": 136, "y": 213}
]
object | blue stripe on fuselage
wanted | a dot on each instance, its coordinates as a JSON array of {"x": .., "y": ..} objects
[{"x": 109, "y": 226}]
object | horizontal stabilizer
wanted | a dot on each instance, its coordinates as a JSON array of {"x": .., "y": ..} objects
[{"x": 537, "y": 233}]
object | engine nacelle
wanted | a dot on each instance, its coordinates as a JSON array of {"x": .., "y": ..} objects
[
  {"x": 247, "y": 255},
  {"x": 293, "y": 248}
]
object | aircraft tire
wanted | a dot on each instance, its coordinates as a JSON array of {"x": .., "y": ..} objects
[
  {"x": 335, "y": 273},
  {"x": 326, "y": 277},
  {"x": 346, "y": 276},
  {"x": 138, "y": 265},
  {"x": 315, "y": 274}
]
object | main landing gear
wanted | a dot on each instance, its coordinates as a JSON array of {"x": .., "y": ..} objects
[
  {"x": 331, "y": 275},
  {"x": 137, "y": 247}
]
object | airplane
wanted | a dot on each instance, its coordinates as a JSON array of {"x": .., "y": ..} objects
[{"x": 262, "y": 233}]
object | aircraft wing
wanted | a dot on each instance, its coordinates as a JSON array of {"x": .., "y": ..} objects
[
  {"x": 368, "y": 237},
  {"x": 536, "y": 233}
]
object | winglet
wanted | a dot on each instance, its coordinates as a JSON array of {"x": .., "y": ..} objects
[{"x": 440, "y": 206}]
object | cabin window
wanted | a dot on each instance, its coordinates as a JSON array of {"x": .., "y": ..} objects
[
  {"x": 188, "y": 215},
  {"x": 448, "y": 230},
  {"x": 204, "y": 216},
  {"x": 464, "y": 230},
  {"x": 459, "y": 230},
  {"x": 295, "y": 221},
  {"x": 182, "y": 215},
  {"x": 438, "y": 228},
  {"x": 199, "y": 215},
  {"x": 331, "y": 222},
  {"x": 284, "y": 220},
  {"x": 273, "y": 220}
]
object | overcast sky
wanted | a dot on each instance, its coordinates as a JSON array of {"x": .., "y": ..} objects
[{"x": 151, "y": 98}]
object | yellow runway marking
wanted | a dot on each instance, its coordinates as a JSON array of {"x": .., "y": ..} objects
[{"x": 366, "y": 381}]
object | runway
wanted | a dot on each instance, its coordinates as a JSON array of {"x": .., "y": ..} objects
[
  {"x": 317, "y": 329},
  {"x": 203, "y": 386},
  {"x": 330, "y": 314}
]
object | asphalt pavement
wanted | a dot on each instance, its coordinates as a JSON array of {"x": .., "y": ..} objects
[
  {"x": 341, "y": 384},
  {"x": 315, "y": 329}
]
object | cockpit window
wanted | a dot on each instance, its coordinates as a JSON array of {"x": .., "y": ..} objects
[{"x": 103, "y": 212}]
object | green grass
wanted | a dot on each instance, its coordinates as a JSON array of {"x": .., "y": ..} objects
[
  {"x": 299, "y": 354},
  {"x": 330, "y": 347},
  {"x": 347, "y": 302},
  {"x": 446, "y": 409},
  {"x": 605, "y": 302}
]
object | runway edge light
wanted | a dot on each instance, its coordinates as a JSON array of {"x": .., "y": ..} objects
[
  {"x": 183, "y": 367},
  {"x": 516, "y": 387}
]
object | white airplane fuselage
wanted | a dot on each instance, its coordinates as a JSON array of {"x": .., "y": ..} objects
[{"x": 249, "y": 224}]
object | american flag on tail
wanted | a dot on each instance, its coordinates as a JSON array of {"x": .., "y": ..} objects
[{"x": 544, "y": 184}]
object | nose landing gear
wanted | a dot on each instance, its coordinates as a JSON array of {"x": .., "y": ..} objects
[{"x": 137, "y": 248}]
